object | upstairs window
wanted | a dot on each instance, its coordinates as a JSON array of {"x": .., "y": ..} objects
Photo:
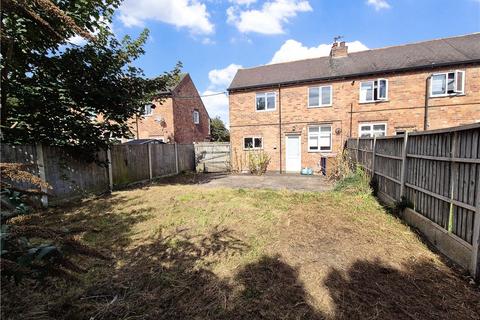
[
  {"x": 320, "y": 138},
  {"x": 373, "y": 129},
  {"x": 265, "y": 101},
  {"x": 196, "y": 117},
  {"x": 448, "y": 83},
  {"x": 319, "y": 96},
  {"x": 373, "y": 90},
  {"x": 148, "y": 110},
  {"x": 252, "y": 143}
]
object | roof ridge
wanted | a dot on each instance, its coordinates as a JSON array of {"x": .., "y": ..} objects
[{"x": 368, "y": 50}]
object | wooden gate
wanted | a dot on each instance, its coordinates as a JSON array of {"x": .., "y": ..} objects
[{"x": 212, "y": 156}]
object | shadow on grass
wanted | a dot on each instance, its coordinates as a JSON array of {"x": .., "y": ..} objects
[{"x": 171, "y": 278}]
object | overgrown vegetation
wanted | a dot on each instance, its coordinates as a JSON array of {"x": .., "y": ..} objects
[
  {"x": 258, "y": 162},
  {"x": 32, "y": 251},
  {"x": 200, "y": 253},
  {"x": 342, "y": 166},
  {"x": 356, "y": 182}
]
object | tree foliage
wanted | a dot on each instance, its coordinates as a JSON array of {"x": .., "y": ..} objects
[
  {"x": 52, "y": 91},
  {"x": 218, "y": 131}
]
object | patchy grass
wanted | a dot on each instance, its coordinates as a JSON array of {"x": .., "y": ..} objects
[{"x": 184, "y": 252}]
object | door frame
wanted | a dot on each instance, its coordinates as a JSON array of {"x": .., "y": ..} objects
[{"x": 299, "y": 135}]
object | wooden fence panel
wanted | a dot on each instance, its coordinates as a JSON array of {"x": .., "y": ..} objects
[
  {"x": 163, "y": 159},
  {"x": 71, "y": 178},
  {"x": 25, "y": 154},
  {"x": 130, "y": 164},
  {"x": 186, "y": 157},
  {"x": 441, "y": 177}
]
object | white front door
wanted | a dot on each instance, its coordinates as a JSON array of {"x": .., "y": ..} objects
[{"x": 293, "y": 154}]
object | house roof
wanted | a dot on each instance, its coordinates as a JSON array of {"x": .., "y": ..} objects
[
  {"x": 173, "y": 85},
  {"x": 427, "y": 54}
]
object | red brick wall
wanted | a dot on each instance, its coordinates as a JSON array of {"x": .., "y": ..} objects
[
  {"x": 172, "y": 118},
  {"x": 403, "y": 110},
  {"x": 185, "y": 100},
  {"x": 157, "y": 125}
]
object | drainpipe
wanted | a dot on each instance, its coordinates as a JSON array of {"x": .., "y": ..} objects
[
  {"x": 351, "y": 118},
  {"x": 280, "y": 126},
  {"x": 427, "y": 95}
]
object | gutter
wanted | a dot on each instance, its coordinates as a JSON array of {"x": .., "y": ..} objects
[{"x": 353, "y": 75}]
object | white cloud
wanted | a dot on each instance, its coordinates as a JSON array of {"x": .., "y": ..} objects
[
  {"x": 269, "y": 19},
  {"x": 217, "y": 105},
  {"x": 243, "y": 2},
  {"x": 293, "y": 50},
  {"x": 378, "y": 4},
  {"x": 190, "y": 14},
  {"x": 220, "y": 79}
]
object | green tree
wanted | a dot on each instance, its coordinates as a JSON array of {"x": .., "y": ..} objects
[
  {"x": 52, "y": 91},
  {"x": 218, "y": 131}
]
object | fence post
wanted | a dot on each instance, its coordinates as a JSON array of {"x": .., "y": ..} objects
[
  {"x": 41, "y": 173},
  {"x": 358, "y": 149},
  {"x": 404, "y": 166},
  {"x": 373, "y": 155},
  {"x": 176, "y": 157},
  {"x": 476, "y": 238},
  {"x": 453, "y": 178},
  {"x": 149, "y": 145},
  {"x": 110, "y": 171}
]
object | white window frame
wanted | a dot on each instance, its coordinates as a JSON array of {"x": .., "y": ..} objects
[
  {"x": 373, "y": 93},
  {"x": 265, "y": 95},
  {"x": 446, "y": 94},
  {"x": 318, "y": 135},
  {"x": 320, "y": 105},
  {"x": 196, "y": 117},
  {"x": 149, "y": 106},
  {"x": 253, "y": 140},
  {"x": 371, "y": 124}
]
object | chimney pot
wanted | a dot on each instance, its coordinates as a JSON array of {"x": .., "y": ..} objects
[{"x": 339, "y": 50}]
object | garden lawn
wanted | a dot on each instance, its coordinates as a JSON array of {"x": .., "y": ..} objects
[{"x": 185, "y": 252}]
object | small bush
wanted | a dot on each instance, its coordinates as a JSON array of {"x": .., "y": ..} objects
[
  {"x": 357, "y": 182},
  {"x": 342, "y": 167},
  {"x": 258, "y": 162}
]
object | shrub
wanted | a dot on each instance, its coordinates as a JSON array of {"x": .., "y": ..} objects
[
  {"x": 342, "y": 167},
  {"x": 357, "y": 182},
  {"x": 258, "y": 162}
]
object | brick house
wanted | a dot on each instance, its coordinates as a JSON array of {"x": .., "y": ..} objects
[
  {"x": 180, "y": 117},
  {"x": 302, "y": 112}
]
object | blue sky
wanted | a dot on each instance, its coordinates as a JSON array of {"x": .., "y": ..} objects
[{"x": 212, "y": 38}]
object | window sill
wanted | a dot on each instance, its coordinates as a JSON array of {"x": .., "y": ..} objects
[
  {"x": 320, "y": 107},
  {"x": 252, "y": 149},
  {"x": 320, "y": 151},
  {"x": 375, "y": 102},
  {"x": 266, "y": 110},
  {"x": 447, "y": 95}
]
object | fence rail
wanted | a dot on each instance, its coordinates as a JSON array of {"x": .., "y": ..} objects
[
  {"x": 438, "y": 173},
  {"x": 121, "y": 165}
]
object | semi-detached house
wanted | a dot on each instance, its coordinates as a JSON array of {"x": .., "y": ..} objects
[{"x": 302, "y": 112}]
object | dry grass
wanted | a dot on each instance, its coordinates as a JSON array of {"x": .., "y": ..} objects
[{"x": 183, "y": 252}]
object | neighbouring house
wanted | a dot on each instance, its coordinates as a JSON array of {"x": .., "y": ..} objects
[
  {"x": 179, "y": 117},
  {"x": 301, "y": 112}
]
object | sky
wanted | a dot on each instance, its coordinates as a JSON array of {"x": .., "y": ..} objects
[{"x": 213, "y": 38}]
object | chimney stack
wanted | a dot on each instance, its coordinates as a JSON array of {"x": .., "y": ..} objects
[{"x": 339, "y": 50}]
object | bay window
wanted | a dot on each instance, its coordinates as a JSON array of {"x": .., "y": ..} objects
[
  {"x": 320, "y": 138},
  {"x": 374, "y": 90}
]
